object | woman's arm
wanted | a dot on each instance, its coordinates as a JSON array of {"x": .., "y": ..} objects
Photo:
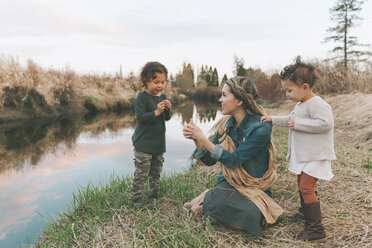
[
  {"x": 201, "y": 151},
  {"x": 252, "y": 144}
]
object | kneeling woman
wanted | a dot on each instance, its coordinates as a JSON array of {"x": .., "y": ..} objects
[{"x": 242, "y": 148}]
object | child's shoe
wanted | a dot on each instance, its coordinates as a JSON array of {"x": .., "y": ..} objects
[{"x": 314, "y": 230}]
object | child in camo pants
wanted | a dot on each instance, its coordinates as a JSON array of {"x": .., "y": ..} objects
[{"x": 152, "y": 109}]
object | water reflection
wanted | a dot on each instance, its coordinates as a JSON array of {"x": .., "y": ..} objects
[
  {"x": 205, "y": 111},
  {"x": 23, "y": 144},
  {"x": 43, "y": 162}
]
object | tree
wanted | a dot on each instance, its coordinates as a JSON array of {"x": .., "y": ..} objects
[
  {"x": 207, "y": 77},
  {"x": 185, "y": 79},
  {"x": 224, "y": 79},
  {"x": 214, "y": 81},
  {"x": 344, "y": 14},
  {"x": 239, "y": 69}
]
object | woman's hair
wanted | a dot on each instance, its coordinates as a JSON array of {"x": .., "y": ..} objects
[
  {"x": 149, "y": 70},
  {"x": 299, "y": 73},
  {"x": 244, "y": 89}
]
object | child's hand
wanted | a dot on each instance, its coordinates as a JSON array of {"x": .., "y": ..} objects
[
  {"x": 160, "y": 108},
  {"x": 168, "y": 104},
  {"x": 266, "y": 118},
  {"x": 291, "y": 124}
]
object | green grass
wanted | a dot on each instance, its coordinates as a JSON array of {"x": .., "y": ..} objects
[{"x": 94, "y": 205}]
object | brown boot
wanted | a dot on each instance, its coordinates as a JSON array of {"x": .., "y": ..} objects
[
  {"x": 300, "y": 214},
  {"x": 314, "y": 230}
]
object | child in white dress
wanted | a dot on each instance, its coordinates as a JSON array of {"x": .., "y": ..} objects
[{"x": 310, "y": 143}]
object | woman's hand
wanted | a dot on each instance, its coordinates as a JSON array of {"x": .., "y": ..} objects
[
  {"x": 193, "y": 131},
  {"x": 187, "y": 132}
]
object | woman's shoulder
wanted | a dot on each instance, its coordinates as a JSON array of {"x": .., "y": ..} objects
[{"x": 255, "y": 125}]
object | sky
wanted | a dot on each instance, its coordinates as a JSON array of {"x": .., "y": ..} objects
[{"x": 92, "y": 36}]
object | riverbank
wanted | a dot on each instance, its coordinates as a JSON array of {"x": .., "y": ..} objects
[
  {"x": 31, "y": 92},
  {"x": 100, "y": 216}
]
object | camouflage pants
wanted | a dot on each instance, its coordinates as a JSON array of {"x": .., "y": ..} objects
[{"x": 148, "y": 166}]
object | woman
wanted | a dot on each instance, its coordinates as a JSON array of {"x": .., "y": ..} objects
[{"x": 242, "y": 147}]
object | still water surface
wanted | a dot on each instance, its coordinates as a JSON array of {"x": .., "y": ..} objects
[{"x": 42, "y": 163}]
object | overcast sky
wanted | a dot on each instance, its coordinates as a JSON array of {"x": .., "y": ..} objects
[{"x": 94, "y": 36}]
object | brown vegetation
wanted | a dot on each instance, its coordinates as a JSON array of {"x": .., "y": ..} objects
[
  {"x": 333, "y": 80},
  {"x": 31, "y": 91},
  {"x": 202, "y": 93}
]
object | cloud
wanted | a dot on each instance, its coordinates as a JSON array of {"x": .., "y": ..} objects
[{"x": 37, "y": 18}]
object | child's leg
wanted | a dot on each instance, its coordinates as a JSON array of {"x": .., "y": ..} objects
[
  {"x": 306, "y": 184},
  {"x": 142, "y": 162},
  {"x": 154, "y": 175},
  {"x": 314, "y": 230}
]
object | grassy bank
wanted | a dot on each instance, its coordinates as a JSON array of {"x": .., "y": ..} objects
[
  {"x": 29, "y": 91},
  {"x": 101, "y": 216}
]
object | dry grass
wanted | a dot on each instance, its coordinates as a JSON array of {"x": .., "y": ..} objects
[
  {"x": 33, "y": 88},
  {"x": 346, "y": 203},
  {"x": 332, "y": 80}
]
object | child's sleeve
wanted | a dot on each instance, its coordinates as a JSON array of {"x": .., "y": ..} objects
[
  {"x": 281, "y": 120},
  {"x": 140, "y": 110},
  {"x": 321, "y": 120}
]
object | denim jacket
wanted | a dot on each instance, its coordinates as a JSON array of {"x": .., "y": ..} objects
[{"x": 252, "y": 140}]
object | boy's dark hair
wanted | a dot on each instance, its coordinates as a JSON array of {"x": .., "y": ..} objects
[
  {"x": 299, "y": 73},
  {"x": 149, "y": 70}
]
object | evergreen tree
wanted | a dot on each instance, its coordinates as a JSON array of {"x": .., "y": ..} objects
[
  {"x": 214, "y": 81},
  {"x": 185, "y": 79},
  {"x": 239, "y": 69},
  {"x": 224, "y": 79},
  {"x": 344, "y": 14}
]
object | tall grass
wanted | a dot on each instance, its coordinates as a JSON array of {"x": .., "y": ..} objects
[
  {"x": 333, "y": 80},
  {"x": 32, "y": 87}
]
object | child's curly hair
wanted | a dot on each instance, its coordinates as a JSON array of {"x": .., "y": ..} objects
[
  {"x": 149, "y": 70},
  {"x": 299, "y": 73}
]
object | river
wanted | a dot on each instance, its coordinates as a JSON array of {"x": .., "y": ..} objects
[{"x": 43, "y": 162}]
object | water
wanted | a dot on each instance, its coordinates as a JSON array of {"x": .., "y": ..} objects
[{"x": 43, "y": 162}]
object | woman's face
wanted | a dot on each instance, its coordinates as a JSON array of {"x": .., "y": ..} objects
[{"x": 228, "y": 102}]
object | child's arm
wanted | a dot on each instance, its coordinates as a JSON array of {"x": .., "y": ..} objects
[
  {"x": 321, "y": 120},
  {"x": 277, "y": 120},
  {"x": 140, "y": 109}
]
